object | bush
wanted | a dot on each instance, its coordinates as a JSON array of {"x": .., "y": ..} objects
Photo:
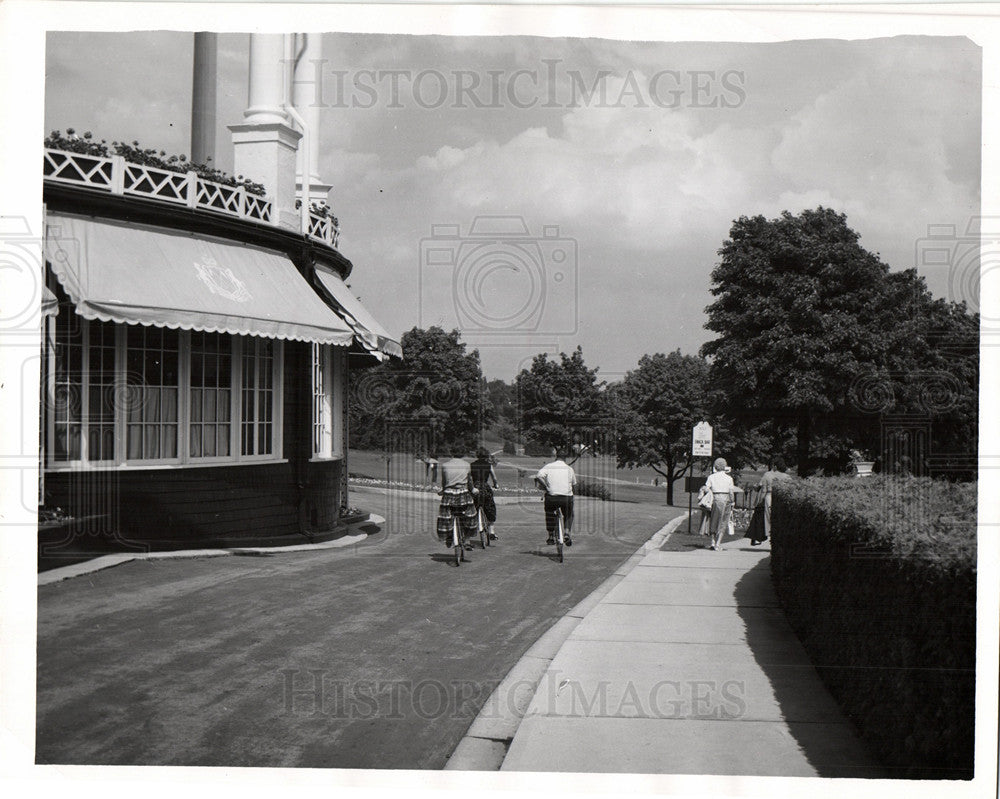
[
  {"x": 592, "y": 488},
  {"x": 878, "y": 578}
]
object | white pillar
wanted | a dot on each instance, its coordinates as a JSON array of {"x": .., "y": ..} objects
[
  {"x": 308, "y": 99},
  {"x": 265, "y": 146},
  {"x": 203, "y": 97},
  {"x": 267, "y": 77}
]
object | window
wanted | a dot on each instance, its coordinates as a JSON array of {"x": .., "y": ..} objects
[
  {"x": 152, "y": 378},
  {"x": 210, "y": 426},
  {"x": 66, "y": 387},
  {"x": 258, "y": 396},
  {"x": 328, "y": 404},
  {"x": 134, "y": 395}
]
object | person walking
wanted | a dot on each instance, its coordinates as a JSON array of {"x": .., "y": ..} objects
[
  {"x": 457, "y": 490},
  {"x": 482, "y": 476},
  {"x": 767, "y": 480},
  {"x": 557, "y": 480},
  {"x": 721, "y": 486},
  {"x": 705, "y": 506}
]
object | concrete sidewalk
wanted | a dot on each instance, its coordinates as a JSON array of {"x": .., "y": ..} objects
[{"x": 688, "y": 666}]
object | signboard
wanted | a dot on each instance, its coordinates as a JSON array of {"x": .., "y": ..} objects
[
  {"x": 693, "y": 484},
  {"x": 701, "y": 440}
]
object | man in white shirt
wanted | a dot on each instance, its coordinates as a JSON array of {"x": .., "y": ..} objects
[{"x": 557, "y": 480}]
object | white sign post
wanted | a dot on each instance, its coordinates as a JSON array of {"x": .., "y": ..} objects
[
  {"x": 701, "y": 447},
  {"x": 701, "y": 440}
]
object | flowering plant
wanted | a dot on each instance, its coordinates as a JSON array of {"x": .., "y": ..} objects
[
  {"x": 320, "y": 209},
  {"x": 136, "y": 154}
]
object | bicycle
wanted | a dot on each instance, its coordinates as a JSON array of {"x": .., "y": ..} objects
[
  {"x": 560, "y": 534},
  {"x": 456, "y": 541},
  {"x": 481, "y": 525}
]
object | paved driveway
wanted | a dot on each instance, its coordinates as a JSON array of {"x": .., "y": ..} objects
[{"x": 373, "y": 656}]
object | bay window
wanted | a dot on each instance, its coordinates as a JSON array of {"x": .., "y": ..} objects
[{"x": 128, "y": 395}]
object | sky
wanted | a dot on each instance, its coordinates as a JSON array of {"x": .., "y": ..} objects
[{"x": 544, "y": 193}]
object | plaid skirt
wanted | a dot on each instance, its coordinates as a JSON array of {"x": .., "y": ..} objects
[{"x": 456, "y": 504}]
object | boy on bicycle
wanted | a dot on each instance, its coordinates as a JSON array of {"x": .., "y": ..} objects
[{"x": 557, "y": 479}]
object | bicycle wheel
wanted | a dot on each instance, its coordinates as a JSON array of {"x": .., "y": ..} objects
[
  {"x": 559, "y": 534},
  {"x": 484, "y": 539},
  {"x": 456, "y": 540}
]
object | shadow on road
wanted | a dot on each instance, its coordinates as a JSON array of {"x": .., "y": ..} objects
[{"x": 539, "y": 553}]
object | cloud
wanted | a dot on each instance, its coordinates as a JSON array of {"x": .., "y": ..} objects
[{"x": 886, "y": 131}]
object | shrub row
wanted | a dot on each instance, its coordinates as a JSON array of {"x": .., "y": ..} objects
[
  {"x": 592, "y": 488},
  {"x": 878, "y": 578}
]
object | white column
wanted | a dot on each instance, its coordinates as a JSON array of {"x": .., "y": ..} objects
[
  {"x": 203, "y": 97},
  {"x": 308, "y": 99},
  {"x": 266, "y": 79},
  {"x": 265, "y": 146}
]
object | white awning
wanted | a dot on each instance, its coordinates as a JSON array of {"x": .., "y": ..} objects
[
  {"x": 50, "y": 304},
  {"x": 121, "y": 272},
  {"x": 369, "y": 332}
]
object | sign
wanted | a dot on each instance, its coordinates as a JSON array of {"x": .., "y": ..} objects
[
  {"x": 701, "y": 440},
  {"x": 693, "y": 484}
]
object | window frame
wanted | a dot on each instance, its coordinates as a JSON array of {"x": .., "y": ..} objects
[
  {"x": 277, "y": 408},
  {"x": 184, "y": 459},
  {"x": 331, "y": 368}
]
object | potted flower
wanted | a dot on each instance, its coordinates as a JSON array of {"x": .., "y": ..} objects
[{"x": 862, "y": 463}]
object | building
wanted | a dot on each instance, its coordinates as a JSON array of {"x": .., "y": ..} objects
[{"x": 198, "y": 337}]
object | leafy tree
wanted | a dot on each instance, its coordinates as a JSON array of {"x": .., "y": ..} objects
[
  {"x": 803, "y": 312},
  {"x": 438, "y": 388},
  {"x": 656, "y": 407},
  {"x": 558, "y": 399},
  {"x": 935, "y": 378}
]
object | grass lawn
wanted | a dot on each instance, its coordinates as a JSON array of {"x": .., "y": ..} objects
[{"x": 515, "y": 471}]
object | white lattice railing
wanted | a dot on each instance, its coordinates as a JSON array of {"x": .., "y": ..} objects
[
  {"x": 118, "y": 176},
  {"x": 324, "y": 228}
]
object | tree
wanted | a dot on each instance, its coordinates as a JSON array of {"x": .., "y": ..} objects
[
  {"x": 559, "y": 400},
  {"x": 803, "y": 312},
  {"x": 656, "y": 407},
  {"x": 935, "y": 378},
  {"x": 437, "y": 390}
]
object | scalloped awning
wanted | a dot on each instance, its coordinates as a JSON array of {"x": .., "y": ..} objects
[
  {"x": 50, "y": 305},
  {"x": 133, "y": 274},
  {"x": 370, "y": 333}
]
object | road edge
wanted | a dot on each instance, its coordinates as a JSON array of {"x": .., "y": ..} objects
[
  {"x": 484, "y": 746},
  {"x": 108, "y": 561}
]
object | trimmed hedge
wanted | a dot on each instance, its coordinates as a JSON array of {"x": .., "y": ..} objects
[
  {"x": 877, "y": 577},
  {"x": 592, "y": 488}
]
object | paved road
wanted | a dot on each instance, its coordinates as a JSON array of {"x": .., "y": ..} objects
[{"x": 376, "y": 656}]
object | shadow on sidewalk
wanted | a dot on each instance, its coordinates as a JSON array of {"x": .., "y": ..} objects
[{"x": 801, "y": 699}]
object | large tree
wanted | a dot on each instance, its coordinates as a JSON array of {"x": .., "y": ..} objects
[
  {"x": 802, "y": 312},
  {"x": 656, "y": 407},
  {"x": 559, "y": 400},
  {"x": 437, "y": 391}
]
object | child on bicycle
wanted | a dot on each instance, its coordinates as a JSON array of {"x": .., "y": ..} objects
[
  {"x": 482, "y": 476},
  {"x": 557, "y": 479},
  {"x": 457, "y": 491}
]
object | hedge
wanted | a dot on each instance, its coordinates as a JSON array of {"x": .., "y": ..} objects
[{"x": 877, "y": 577}]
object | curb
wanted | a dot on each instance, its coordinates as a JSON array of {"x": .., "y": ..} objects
[
  {"x": 108, "y": 561},
  {"x": 484, "y": 746}
]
